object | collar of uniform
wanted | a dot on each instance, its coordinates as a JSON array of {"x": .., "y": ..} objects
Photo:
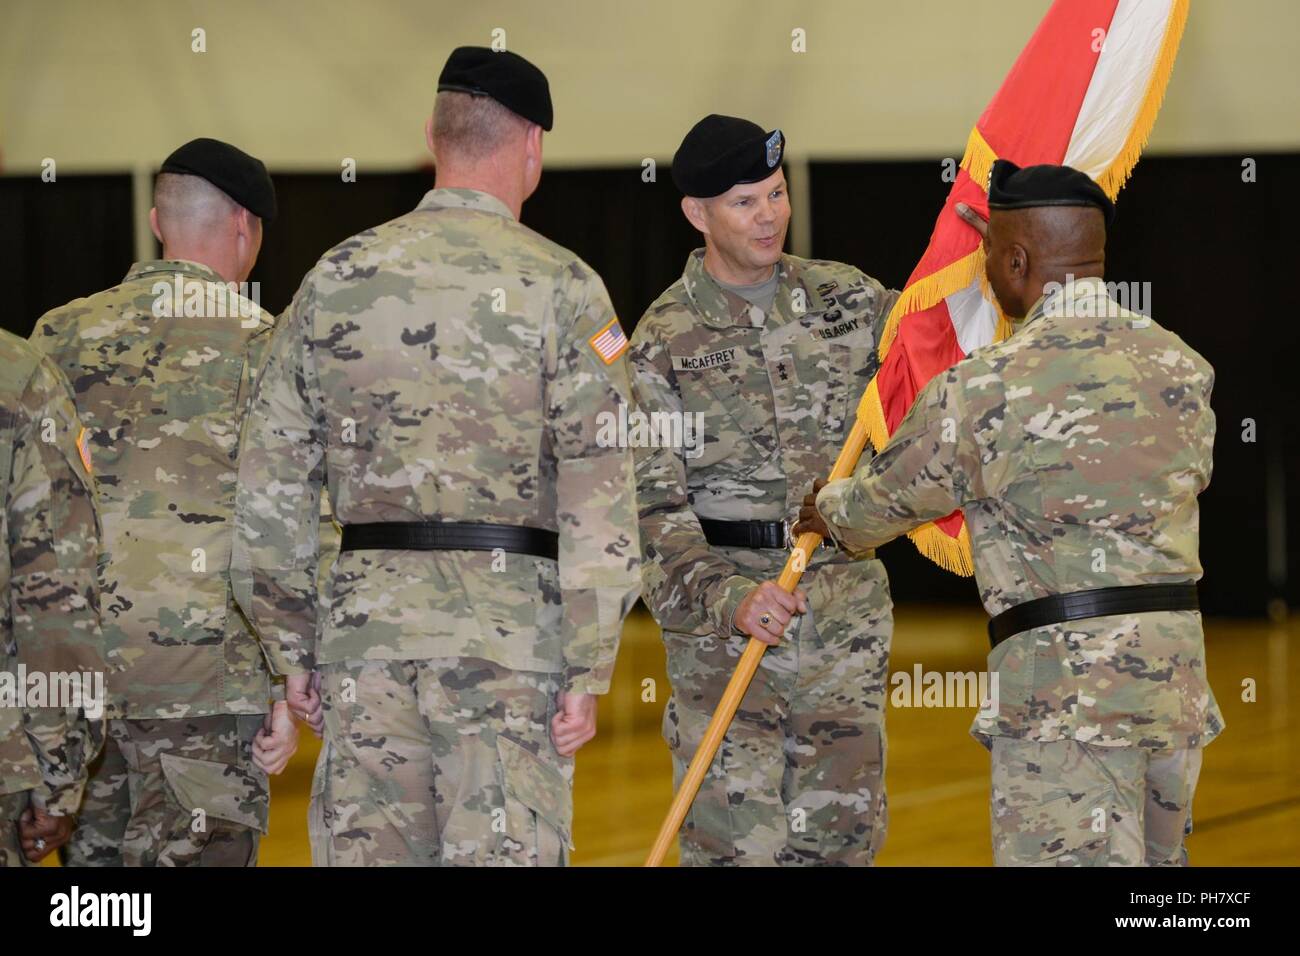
[
  {"x": 183, "y": 266},
  {"x": 465, "y": 199},
  {"x": 792, "y": 281},
  {"x": 721, "y": 307},
  {"x": 1057, "y": 299}
]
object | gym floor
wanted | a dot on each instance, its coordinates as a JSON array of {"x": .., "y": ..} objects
[{"x": 1247, "y": 810}]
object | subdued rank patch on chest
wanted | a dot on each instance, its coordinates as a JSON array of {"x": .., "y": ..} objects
[
  {"x": 610, "y": 342},
  {"x": 690, "y": 363},
  {"x": 835, "y": 331}
]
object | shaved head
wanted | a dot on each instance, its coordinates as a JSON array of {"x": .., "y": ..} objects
[
  {"x": 479, "y": 144},
  {"x": 1029, "y": 248},
  {"x": 195, "y": 220},
  {"x": 189, "y": 206},
  {"x": 469, "y": 129}
]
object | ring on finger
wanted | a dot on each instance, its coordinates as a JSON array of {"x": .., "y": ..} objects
[{"x": 765, "y": 619}]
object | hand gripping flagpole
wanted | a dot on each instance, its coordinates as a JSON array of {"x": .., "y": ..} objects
[{"x": 735, "y": 690}]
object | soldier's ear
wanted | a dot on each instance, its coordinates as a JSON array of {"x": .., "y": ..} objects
[
  {"x": 534, "y": 143},
  {"x": 245, "y": 224},
  {"x": 693, "y": 210},
  {"x": 1018, "y": 261},
  {"x": 532, "y": 158}
]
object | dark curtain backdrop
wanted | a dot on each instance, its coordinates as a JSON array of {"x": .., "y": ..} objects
[
  {"x": 631, "y": 232},
  {"x": 60, "y": 241},
  {"x": 317, "y": 211},
  {"x": 1216, "y": 251}
]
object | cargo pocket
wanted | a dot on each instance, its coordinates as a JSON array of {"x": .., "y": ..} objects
[
  {"x": 1074, "y": 841},
  {"x": 1059, "y": 832},
  {"x": 218, "y": 790},
  {"x": 538, "y": 808}
]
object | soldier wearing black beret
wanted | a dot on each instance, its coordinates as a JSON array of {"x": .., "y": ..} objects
[
  {"x": 1075, "y": 449},
  {"x": 1040, "y": 207},
  {"x": 474, "y": 612},
  {"x": 161, "y": 365},
  {"x": 772, "y": 353},
  {"x": 503, "y": 76},
  {"x": 241, "y": 177}
]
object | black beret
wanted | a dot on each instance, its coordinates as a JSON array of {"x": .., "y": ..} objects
[
  {"x": 506, "y": 77},
  {"x": 1011, "y": 187},
  {"x": 721, "y": 151},
  {"x": 240, "y": 176}
]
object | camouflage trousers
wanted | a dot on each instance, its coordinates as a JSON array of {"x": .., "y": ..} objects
[
  {"x": 1066, "y": 803},
  {"x": 800, "y": 777},
  {"x": 12, "y": 806},
  {"x": 442, "y": 762},
  {"x": 176, "y": 792}
]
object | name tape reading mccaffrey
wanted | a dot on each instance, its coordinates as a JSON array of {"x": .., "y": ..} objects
[{"x": 690, "y": 363}]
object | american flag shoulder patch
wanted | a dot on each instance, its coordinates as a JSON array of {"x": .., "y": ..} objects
[{"x": 609, "y": 342}]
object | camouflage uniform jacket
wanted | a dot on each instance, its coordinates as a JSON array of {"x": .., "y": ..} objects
[
  {"x": 1075, "y": 449},
  {"x": 778, "y": 394},
  {"x": 162, "y": 382},
  {"x": 49, "y": 602},
  {"x": 443, "y": 366}
]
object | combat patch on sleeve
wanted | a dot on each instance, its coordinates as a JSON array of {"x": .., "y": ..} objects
[
  {"x": 83, "y": 449},
  {"x": 610, "y": 342}
]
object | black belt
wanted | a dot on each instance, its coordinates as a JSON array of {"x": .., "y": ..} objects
[
  {"x": 1100, "y": 602},
  {"x": 450, "y": 536},
  {"x": 744, "y": 534}
]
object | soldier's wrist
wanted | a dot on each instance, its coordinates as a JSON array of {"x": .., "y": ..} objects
[
  {"x": 734, "y": 591},
  {"x": 586, "y": 680}
]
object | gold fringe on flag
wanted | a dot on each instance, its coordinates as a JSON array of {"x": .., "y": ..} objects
[
  {"x": 927, "y": 291},
  {"x": 951, "y": 554},
  {"x": 872, "y": 415},
  {"x": 1121, "y": 167},
  {"x": 978, "y": 159}
]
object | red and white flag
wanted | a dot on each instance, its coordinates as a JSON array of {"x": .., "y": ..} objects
[{"x": 1084, "y": 92}]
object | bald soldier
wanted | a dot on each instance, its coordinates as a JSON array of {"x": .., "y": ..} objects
[
  {"x": 1076, "y": 450},
  {"x": 447, "y": 376},
  {"x": 49, "y": 608},
  {"x": 762, "y": 357},
  {"x": 162, "y": 366}
]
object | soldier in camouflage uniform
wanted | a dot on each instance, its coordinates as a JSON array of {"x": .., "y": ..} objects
[
  {"x": 49, "y": 605},
  {"x": 799, "y": 779},
  {"x": 163, "y": 367},
  {"x": 445, "y": 375},
  {"x": 1075, "y": 450}
]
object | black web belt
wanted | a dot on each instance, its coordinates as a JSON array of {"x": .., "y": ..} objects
[
  {"x": 1100, "y": 602},
  {"x": 744, "y": 534},
  {"x": 450, "y": 536}
]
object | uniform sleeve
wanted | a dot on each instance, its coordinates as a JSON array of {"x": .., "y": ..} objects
[
  {"x": 1205, "y": 425},
  {"x": 277, "y": 504},
  {"x": 950, "y": 449},
  {"x": 53, "y": 542},
  {"x": 688, "y": 586},
  {"x": 599, "y": 559}
]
